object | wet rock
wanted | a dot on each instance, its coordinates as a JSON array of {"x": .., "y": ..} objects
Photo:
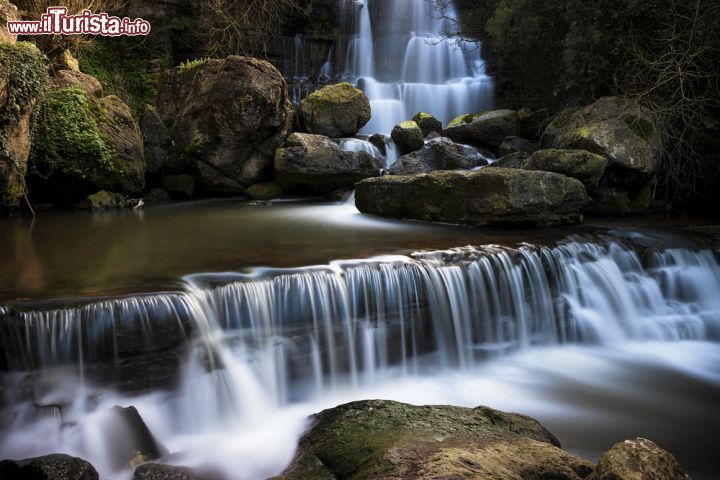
[
  {"x": 437, "y": 155},
  {"x": 585, "y": 166},
  {"x": 130, "y": 440},
  {"x": 156, "y": 139},
  {"x": 638, "y": 459},
  {"x": 516, "y": 144},
  {"x": 339, "y": 110},
  {"x": 487, "y": 130},
  {"x": 317, "y": 165},
  {"x": 615, "y": 128},
  {"x": 49, "y": 467},
  {"x": 23, "y": 75},
  {"x": 225, "y": 119},
  {"x": 264, "y": 191},
  {"x": 154, "y": 471},
  {"x": 487, "y": 197},
  {"x": 104, "y": 200},
  {"x": 156, "y": 195},
  {"x": 70, "y": 78},
  {"x": 380, "y": 142},
  {"x": 427, "y": 123},
  {"x": 533, "y": 122},
  {"x": 514, "y": 160},
  {"x": 389, "y": 440},
  {"x": 408, "y": 137},
  {"x": 179, "y": 186}
]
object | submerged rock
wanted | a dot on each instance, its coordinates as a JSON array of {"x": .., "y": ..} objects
[
  {"x": 315, "y": 164},
  {"x": 585, "y": 166},
  {"x": 155, "y": 471},
  {"x": 264, "y": 191},
  {"x": 638, "y": 459},
  {"x": 408, "y": 137},
  {"x": 615, "y": 128},
  {"x": 488, "y": 197},
  {"x": 388, "y": 440},
  {"x": 437, "y": 155},
  {"x": 427, "y": 123},
  {"x": 104, "y": 200},
  {"x": 339, "y": 110},
  {"x": 225, "y": 118},
  {"x": 49, "y": 467},
  {"x": 487, "y": 130}
]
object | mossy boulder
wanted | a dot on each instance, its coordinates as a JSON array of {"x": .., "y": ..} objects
[
  {"x": 314, "y": 164},
  {"x": 408, "y": 137},
  {"x": 619, "y": 202},
  {"x": 427, "y": 123},
  {"x": 83, "y": 145},
  {"x": 438, "y": 154},
  {"x": 339, "y": 110},
  {"x": 583, "y": 165},
  {"x": 487, "y": 197},
  {"x": 486, "y": 130},
  {"x": 264, "y": 191},
  {"x": 514, "y": 160},
  {"x": 225, "y": 119},
  {"x": 23, "y": 79},
  {"x": 179, "y": 186},
  {"x": 378, "y": 439},
  {"x": 638, "y": 459},
  {"x": 615, "y": 128},
  {"x": 104, "y": 200}
]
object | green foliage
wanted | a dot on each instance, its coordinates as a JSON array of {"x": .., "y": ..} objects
[
  {"x": 24, "y": 68},
  {"x": 68, "y": 137},
  {"x": 188, "y": 65}
]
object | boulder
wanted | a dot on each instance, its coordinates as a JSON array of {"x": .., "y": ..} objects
[
  {"x": 225, "y": 120},
  {"x": 487, "y": 197},
  {"x": 179, "y": 186},
  {"x": 155, "y": 471},
  {"x": 131, "y": 442},
  {"x": 156, "y": 139},
  {"x": 487, "y": 130},
  {"x": 317, "y": 165},
  {"x": 638, "y": 459},
  {"x": 264, "y": 191},
  {"x": 85, "y": 144},
  {"x": 619, "y": 202},
  {"x": 49, "y": 467},
  {"x": 23, "y": 76},
  {"x": 585, "y": 166},
  {"x": 438, "y": 154},
  {"x": 516, "y": 144},
  {"x": 8, "y": 13},
  {"x": 533, "y": 122},
  {"x": 380, "y": 141},
  {"x": 339, "y": 110},
  {"x": 408, "y": 137},
  {"x": 69, "y": 78},
  {"x": 377, "y": 439},
  {"x": 103, "y": 200},
  {"x": 514, "y": 160},
  {"x": 615, "y": 128},
  {"x": 427, "y": 123},
  {"x": 156, "y": 195},
  {"x": 64, "y": 61}
]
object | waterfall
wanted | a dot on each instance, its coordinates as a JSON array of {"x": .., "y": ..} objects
[{"x": 436, "y": 75}]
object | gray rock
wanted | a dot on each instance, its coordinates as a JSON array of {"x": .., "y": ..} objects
[
  {"x": 408, "y": 137},
  {"x": 638, "y": 459},
  {"x": 516, "y": 144},
  {"x": 48, "y": 467},
  {"x": 154, "y": 471},
  {"x": 335, "y": 111},
  {"x": 438, "y": 154},
  {"x": 585, "y": 166},
  {"x": 487, "y": 130}
]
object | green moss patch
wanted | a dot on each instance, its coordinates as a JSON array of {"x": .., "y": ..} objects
[{"x": 24, "y": 68}]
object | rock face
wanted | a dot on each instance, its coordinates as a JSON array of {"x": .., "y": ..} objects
[
  {"x": 487, "y": 130},
  {"x": 156, "y": 139},
  {"x": 84, "y": 145},
  {"x": 264, "y": 191},
  {"x": 408, "y": 137},
  {"x": 179, "y": 186},
  {"x": 335, "y": 111},
  {"x": 8, "y": 13},
  {"x": 616, "y": 129},
  {"x": 488, "y": 197},
  {"x": 427, "y": 123},
  {"x": 49, "y": 467},
  {"x": 23, "y": 75},
  {"x": 585, "y": 166},
  {"x": 154, "y": 471},
  {"x": 70, "y": 78},
  {"x": 638, "y": 459},
  {"x": 390, "y": 440},
  {"x": 315, "y": 164},
  {"x": 514, "y": 160},
  {"x": 225, "y": 119},
  {"x": 437, "y": 155}
]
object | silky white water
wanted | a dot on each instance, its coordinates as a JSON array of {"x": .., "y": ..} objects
[{"x": 587, "y": 336}]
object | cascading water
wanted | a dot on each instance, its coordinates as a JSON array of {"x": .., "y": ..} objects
[
  {"x": 237, "y": 353},
  {"x": 436, "y": 75}
]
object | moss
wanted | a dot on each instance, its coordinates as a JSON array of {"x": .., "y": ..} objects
[
  {"x": 188, "y": 65},
  {"x": 642, "y": 127},
  {"x": 461, "y": 120},
  {"x": 332, "y": 94},
  {"x": 410, "y": 125},
  {"x": 24, "y": 68},
  {"x": 69, "y": 139}
]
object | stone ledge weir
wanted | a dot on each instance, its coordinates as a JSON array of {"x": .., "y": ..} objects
[{"x": 304, "y": 330}]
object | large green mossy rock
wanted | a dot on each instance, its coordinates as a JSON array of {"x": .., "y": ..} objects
[
  {"x": 427, "y": 123},
  {"x": 488, "y": 197},
  {"x": 335, "y": 111},
  {"x": 585, "y": 166},
  {"x": 85, "y": 144},
  {"x": 378, "y": 439},
  {"x": 408, "y": 137},
  {"x": 487, "y": 130},
  {"x": 23, "y": 78},
  {"x": 615, "y": 128}
]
